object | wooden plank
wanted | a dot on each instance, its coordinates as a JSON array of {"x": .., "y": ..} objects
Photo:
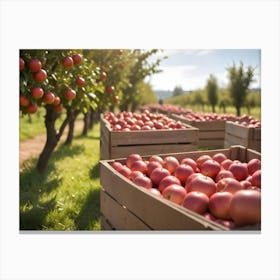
[
  {"x": 236, "y": 140},
  {"x": 211, "y": 143},
  {"x": 235, "y": 129},
  {"x": 177, "y": 136},
  {"x": 125, "y": 151},
  {"x": 255, "y": 145},
  {"x": 159, "y": 214},
  {"x": 119, "y": 216},
  {"x": 252, "y": 154},
  {"x": 212, "y": 134},
  {"x": 105, "y": 224}
]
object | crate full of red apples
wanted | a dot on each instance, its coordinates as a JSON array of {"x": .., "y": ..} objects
[
  {"x": 203, "y": 190},
  {"x": 147, "y": 133},
  {"x": 246, "y": 133}
]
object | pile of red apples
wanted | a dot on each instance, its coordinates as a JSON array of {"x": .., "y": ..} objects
[
  {"x": 244, "y": 120},
  {"x": 128, "y": 121},
  {"x": 220, "y": 189}
]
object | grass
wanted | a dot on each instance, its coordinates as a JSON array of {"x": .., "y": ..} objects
[{"x": 66, "y": 196}]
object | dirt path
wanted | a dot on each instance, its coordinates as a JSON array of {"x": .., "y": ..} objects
[{"x": 34, "y": 146}]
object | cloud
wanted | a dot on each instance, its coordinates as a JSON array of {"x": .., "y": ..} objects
[{"x": 194, "y": 52}]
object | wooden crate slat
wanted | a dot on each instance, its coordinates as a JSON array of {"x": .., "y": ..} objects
[
  {"x": 104, "y": 223},
  {"x": 208, "y": 134},
  {"x": 235, "y": 140},
  {"x": 120, "y": 152},
  {"x": 237, "y": 129},
  {"x": 118, "y": 215},
  {"x": 211, "y": 143},
  {"x": 119, "y": 138},
  {"x": 236, "y": 134}
]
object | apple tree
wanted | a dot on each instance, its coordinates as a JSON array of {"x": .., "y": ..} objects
[
  {"x": 56, "y": 79},
  {"x": 239, "y": 82}
]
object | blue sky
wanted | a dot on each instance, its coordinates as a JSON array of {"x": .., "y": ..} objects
[{"x": 191, "y": 68}]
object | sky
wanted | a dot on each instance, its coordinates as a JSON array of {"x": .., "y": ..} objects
[{"x": 190, "y": 69}]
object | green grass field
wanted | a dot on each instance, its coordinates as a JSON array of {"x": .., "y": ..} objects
[{"x": 66, "y": 196}]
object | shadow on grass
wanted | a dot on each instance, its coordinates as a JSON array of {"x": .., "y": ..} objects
[
  {"x": 94, "y": 172},
  {"x": 34, "y": 186},
  {"x": 90, "y": 211}
]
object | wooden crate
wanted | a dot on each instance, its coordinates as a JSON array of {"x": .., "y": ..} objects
[
  {"x": 125, "y": 206},
  {"x": 236, "y": 134},
  {"x": 118, "y": 144},
  {"x": 211, "y": 133}
]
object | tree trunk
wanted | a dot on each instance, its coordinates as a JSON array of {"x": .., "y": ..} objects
[
  {"x": 51, "y": 141},
  {"x": 213, "y": 108},
  {"x": 238, "y": 111},
  {"x": 86, "y": 124},
  {"x": 91, "y": 119},
  {"x": 71, "y": 115}
]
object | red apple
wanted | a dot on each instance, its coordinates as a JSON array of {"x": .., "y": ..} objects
[
  {"x": 253, "y": 165},
  {"x": 40, "y": 76},
  {"x": 219, "y": 157},
  {"x": 245, "y": 207},
  {"x": 24, "y": 101},
  {"x": 58, "y": 108},
  {"x": 103, "y": 76},
  {"x": 190, "y": 162},
  {"x": 139, "y": 165},
  {"x": 203, "y": 184},
  {"x": 110, "y": 89},
  {"x": 171, "y": 163},
  {"x": 80, "y": 81},
  {"x": 49, "y": 97},
  {"x": 155, "y": 192},
  {"x": 229, "y": 185},
  {"x": 226, "y": 163},
  {"x": 210, "y": 168},
  {"x": 37, "y": 92},
  {"x": 56, "y": 101},
  {"x": 196, "y": 202},
  {"x": 135, "y": 174},
  {"x": 143, "y": 181},
  {"x": 202, "y": 159},
  {"x": 190, "y": 178},
  {"x": 219, "y": 204},
  {"x": 125, "y": 171},
  {"x": 21, "y": 64},
  {"x": 158, "y": 174},
  {"x": 157, "y": 158},
  {"x": 151, "y": 166},
  {"x": 77, "y": 58},
  {"x": 32, "y": 108},
  {"x": 174, "y": 193},
  {"x": 131, "y": 158},
  {"x": 182, "y": 172},
  {"x": 256, "y": 179},
  {"x": 239, "y": 170},
  {"x": 34, "y": 65},
  {"x": 167, "y": 181},
  {"x": 223, "y": 174},
  {"x": 117, "y": 165},
  {"x": 70, "y": 94},
  {"x": 245, "y": 184},
  {"x": 67, "y": 62}
]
